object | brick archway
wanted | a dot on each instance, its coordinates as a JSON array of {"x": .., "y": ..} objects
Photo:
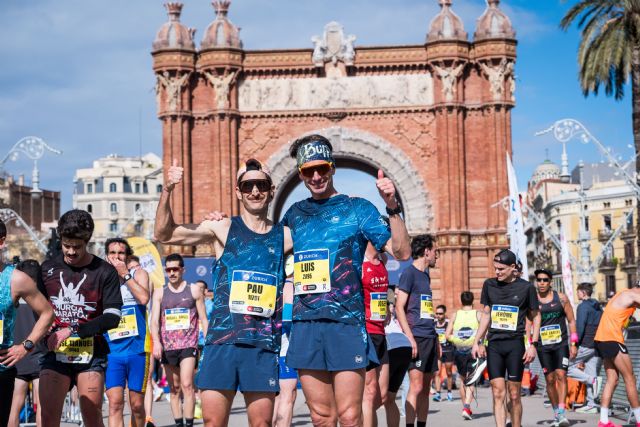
[{"x": 364, "y": 147}]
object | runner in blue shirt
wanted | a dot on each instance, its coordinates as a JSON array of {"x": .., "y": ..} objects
[
  {"x": 329, "y": 344},
  {"x": 243, "y": 339}
]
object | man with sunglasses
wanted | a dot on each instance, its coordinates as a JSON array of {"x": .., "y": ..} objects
[
  {"x": 329, "y": 344},
  {"x": 175, "y": 312},
  {"x": 507, "y": 302},
  {"x": 554, "y": 352},
  {"x": 243, "y": 338}
]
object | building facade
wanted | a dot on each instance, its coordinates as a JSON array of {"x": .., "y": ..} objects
[
  {"x": 434, "y": 116},
  {"x": 121, "y": 194},
  {"x": 597, "y": 217}
]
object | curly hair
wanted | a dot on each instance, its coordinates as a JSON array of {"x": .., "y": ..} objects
[{"x": 76, "y": 224}]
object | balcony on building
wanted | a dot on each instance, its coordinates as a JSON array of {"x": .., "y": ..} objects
[
  {"x": 629, "y": 263},
  {"x": 608, "y": 264},
  {"x": 628, "y": 233},
  {"x": 604, "y": 234}
]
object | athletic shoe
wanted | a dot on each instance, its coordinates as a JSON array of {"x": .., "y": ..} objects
[
  {"x": 149, "y": 422},
  {"x": 478, "y": 366},
  {"x": 197, "y": 413},
  {"x": 449, "y": 396},
  {"x": 467, "y": 414},
  {"x": 157, "y": 394},
  {"x": 587, "y": 409},
  {"x": 563, "y": 421},
  {"x": 437, "y": 397},
  {"x": 609, "y": 424},
  {"x": 597, "y": 386}
]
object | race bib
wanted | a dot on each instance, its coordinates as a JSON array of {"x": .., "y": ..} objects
[
  {"x": 504, "y": 317},
  {"x": 75, "y": 350},
  {"x": 426, "y": 306},
  {"x": 550, "y": 334},
  {"x": 378, "y": 305},
  {"x": 176, "y": 319},
  {"x": 128, "y": 326},
  {"x": 441, "y": 335},
  {"x": 311, "y": 272},
  {"x": 1, "y": 328},
  {"x": 253, "y": 293}
]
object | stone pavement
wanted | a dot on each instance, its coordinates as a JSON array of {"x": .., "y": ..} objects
[{"x": 440, "y": 414}]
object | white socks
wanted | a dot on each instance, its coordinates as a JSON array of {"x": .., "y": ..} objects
[
  {"x": 636, "y": 413},
  {"x": 604, "y": 415}
]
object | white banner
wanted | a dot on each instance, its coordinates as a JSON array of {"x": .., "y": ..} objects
[
  {"x": 515, "y": 225},
  {"x": 567, "y": 277}
]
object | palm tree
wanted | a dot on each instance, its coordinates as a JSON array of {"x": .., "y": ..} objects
[{"x": 609, "y": 54}]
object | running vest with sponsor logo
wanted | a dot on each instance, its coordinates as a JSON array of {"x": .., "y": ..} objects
[
  {"x": 441, "y": 330},
  {"x": 375, "y": 281},
  {"x": 132, "y": 335},
  {"x": 7, "y": 310},
  {"x": 465, "y": 328},
  {"x": 553, "y": 324},
  {"x": 247, "y": 288},
  {"x": 613, "y": 321},
  {"x": 178, "y": 319}
]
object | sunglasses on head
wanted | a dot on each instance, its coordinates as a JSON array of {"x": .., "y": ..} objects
[
  {"x": 246, "y": 187},
  {"x": 322, "y": 170},
  {"x": 543, "y": 279},
  {"x": 171, "y": 269}
]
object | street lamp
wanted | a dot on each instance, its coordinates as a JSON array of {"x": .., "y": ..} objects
[{"x": 34, "y": 148}]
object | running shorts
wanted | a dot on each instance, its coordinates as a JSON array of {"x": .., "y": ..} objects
[
  {"x": 427, "y": 360},
  {"x": 174, "y": 357},
  {"x": 555, "y": 359},
  {"x": 379, "y": 342},
  {"x": 127, "y": 370},
  {"x": 504, "y": 359},
  {"x": 609, "y": 349},
  {"x": 399, "y": 359}
]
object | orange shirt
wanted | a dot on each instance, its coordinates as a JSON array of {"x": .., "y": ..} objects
[{"x": 612, "y": 322}]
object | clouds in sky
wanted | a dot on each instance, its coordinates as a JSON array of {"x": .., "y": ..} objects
[{"x": 78, "y": 73}]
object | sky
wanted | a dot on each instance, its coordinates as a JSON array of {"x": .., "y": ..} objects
[{"x": 78, "y": 74}]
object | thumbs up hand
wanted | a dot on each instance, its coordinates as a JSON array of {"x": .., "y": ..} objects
[
  {"x": 387, "y": 190},
  {"x": 174, "y": 175}
]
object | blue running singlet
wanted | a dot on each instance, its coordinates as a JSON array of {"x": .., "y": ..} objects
[
  {"x": 247, "y": 288},
  {"x": 7, "y": 310},
  {"x": 329, "y": 240}
]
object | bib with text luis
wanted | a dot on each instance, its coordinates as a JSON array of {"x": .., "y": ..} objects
[
  {"x": 75, "y": 350},
  {"x": 504, "y": 317},
  {"x": 378, "y": 305},
  {"x": 128, "y": 326},
  {"x": 550, "y": 334},
  {"x": 176, "y": 319},
  {"x": 253, "y": 293},
  {"x": 311, "y": 272},
  {"x": 426, "y": 306}
]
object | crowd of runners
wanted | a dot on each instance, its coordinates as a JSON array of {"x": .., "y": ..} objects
[{"x": 305, "y": 300}]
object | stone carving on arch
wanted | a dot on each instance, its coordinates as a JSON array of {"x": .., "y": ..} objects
[{"x": 371, "y": 149}]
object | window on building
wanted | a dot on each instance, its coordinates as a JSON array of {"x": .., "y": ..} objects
[
  {"x": 89, "y": 208},
  {"x": 559, "y": 225},
  {"x": 629, "y": 253},
  {"x": 145, "y": 189},
  {"x": 137, "y": 207},
  {"x": 112, "y": 187},
  {"x": 159, "y": 188},
  {"x": 138, "y": 228},
  {"x": 610, "y": 282},
  {"x": 137, "y": 187},
  {"x": 607, "y": 205},
  {"x": 113, "y": 207},
  {"x": 607, "y": 222},
  {"x": 586, "y": 223},
  {"x": 89, "y": 188},
  {"x": 113, "y": 227},
  {"x": 631, "y": 280},
  {"x": 630, "y": 222}
]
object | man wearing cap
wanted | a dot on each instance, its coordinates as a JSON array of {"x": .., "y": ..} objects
[
  {"x": 507, "y": 301},
  {"x": 243, "y": 338},
  {"x": 329, "y": 344}
]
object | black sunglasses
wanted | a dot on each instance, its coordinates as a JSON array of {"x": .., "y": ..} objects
[
  {"x": 322, "y": 170},
  {"x": 543, "y": 279},
  {"x": 246, "y": 187}
]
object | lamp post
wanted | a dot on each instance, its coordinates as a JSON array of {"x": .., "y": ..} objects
[{"x": 34, "y": 148}]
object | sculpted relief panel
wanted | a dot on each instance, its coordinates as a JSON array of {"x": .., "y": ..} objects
[{"x": 337, "y": 92}]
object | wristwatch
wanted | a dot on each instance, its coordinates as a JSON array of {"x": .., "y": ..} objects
[
  {"x": 127, "y": 277},
  {"x": 535, "y": 343},
  {"x": 74, "y": 327},
  {"x": 396, "y": 211},
  {"x": 28, "y": 345}
]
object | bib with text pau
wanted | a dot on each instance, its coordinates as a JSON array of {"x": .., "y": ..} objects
[{"x": 253, "y": 293}]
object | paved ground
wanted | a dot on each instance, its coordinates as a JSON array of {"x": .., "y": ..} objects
[{"x": 440, "y": 414}]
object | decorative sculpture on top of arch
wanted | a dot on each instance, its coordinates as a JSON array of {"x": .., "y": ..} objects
[{"x": 368, "y": 148}]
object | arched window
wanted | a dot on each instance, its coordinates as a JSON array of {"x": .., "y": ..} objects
[
  {"x": 113, "y": 227},
  {"x": 137, "y": 207},
  {"x": 89, "y": 208},
  {"x": 159, "y": 188},
  {"x": 112, "y": 187},
  {"x": 113, "y": 207}
]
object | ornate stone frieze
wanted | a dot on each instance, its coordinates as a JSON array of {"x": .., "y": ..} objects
[
  {"x": 449, "y": 78},
  {"x": 333, "y": 46},
  {"x": 172, "y": 90}
]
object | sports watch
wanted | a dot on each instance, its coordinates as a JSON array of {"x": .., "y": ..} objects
[{"x": 28, "y": 345}]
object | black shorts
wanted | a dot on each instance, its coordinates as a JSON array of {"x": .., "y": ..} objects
[
  {"x": 504, "y": 359},
  {"x": 380, "y": 345},
  {"x": 28, "y": 377},
  {"x": 71, "y": 370},
  {"x": 399, "y": 359},
  {"x": 553, "y": 359},
  {"x": 609, "y": 349},
  {"x": 7, "y": 379},
  {"x": 463, "y": 361},
  {"x": 447, "y": 356},
  {"x": 427, "y": 360},
  {"x": 174, "y": 357}
]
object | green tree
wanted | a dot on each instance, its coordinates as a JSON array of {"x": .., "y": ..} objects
[{"x": 609, "y": 56}]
